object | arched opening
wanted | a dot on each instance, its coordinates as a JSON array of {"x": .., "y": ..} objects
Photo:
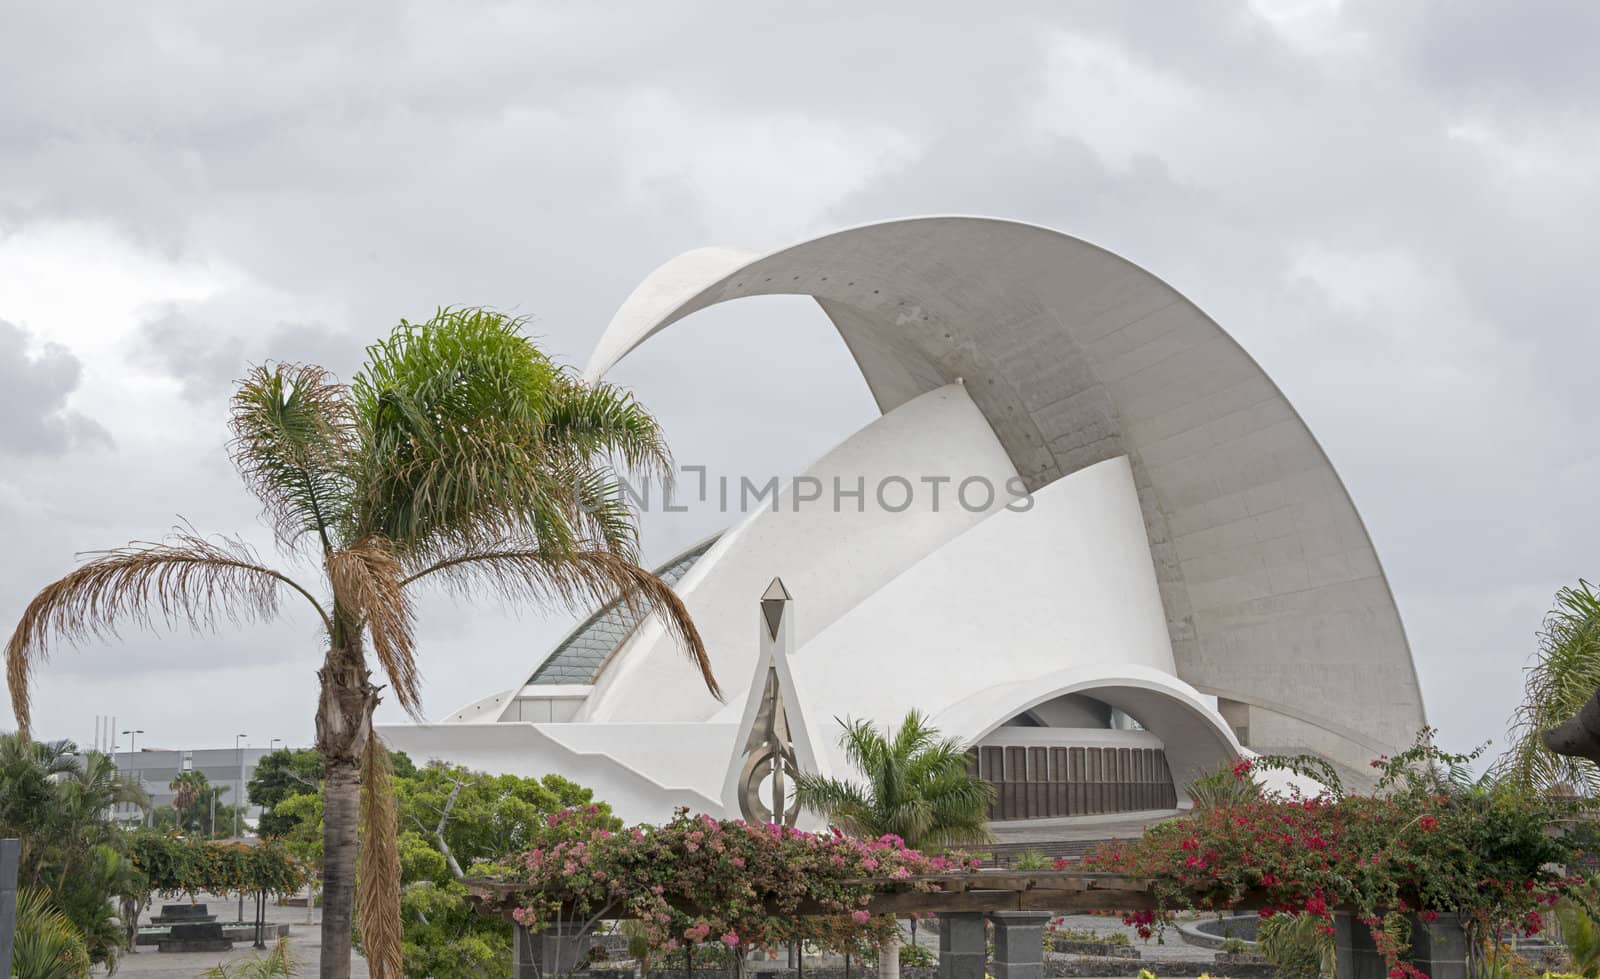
[{"x": 1071, "y": 746}]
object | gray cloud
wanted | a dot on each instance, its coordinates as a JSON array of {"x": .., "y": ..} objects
[
  {"x": 206, "y": 352},
  {"x": 1389, "y": 205},
  {"x": 34, "y": 386}
]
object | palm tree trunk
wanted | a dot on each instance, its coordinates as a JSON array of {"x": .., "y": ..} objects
[
  {"x": 1579, "y": 736},
  {"x": 889, "y": 955},
  {"x": 344, "y": 722}
]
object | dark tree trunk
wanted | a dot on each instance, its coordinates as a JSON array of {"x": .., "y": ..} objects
[
  {"x": 344, "y": 722},
  {"x": 1580, "y": 736}
]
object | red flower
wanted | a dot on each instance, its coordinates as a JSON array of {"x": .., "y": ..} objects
[{"x": 1428, "y": 824}]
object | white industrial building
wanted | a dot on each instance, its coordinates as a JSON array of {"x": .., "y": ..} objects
[{"x": 1153, "y": 566}]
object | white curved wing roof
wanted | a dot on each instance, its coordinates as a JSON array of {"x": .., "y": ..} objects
[{"x": 1273, "y": 594}]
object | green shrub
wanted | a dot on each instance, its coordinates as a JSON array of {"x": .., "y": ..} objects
[
  {"x": 1032, "y": 860},
  {"x": 276, "y": 964},
  {"x": 47, "y": 945},
  {"x": 1296, "y": 945},
  {"x": 1581, "y": 934},
  {"x": 1086, "y": 936}
]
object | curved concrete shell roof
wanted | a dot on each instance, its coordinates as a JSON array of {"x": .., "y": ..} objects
[{"x": 1273, "y": 594}]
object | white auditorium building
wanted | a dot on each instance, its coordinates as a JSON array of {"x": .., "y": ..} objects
[{"x": 1178, "y": 577}]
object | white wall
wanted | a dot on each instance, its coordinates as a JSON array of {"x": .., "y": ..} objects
[
  {"x": 527, "y": 750},
  {"x": 1015, "y": 598},
  {"x": 831, "y": 560}
]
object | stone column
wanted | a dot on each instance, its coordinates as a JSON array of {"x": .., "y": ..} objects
[
  {"x": 10, "y": 854},
  {"x": 1439, "y": 948},
  {"x": 1019, "y": 944},
  {"x": 1355, "y": 955},
  {"x": 549, "y": 953},
  {"x": 962, "y": 948}
]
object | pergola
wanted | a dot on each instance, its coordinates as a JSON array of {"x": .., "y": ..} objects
[{"x": 1018, "y": 905}]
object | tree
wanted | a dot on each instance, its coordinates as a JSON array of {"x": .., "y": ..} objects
[
  {"x": 59, "y": 804},
  {"x": 1558, "y": 723},
  {"x": 460, "y": 456},
  {"x": 917, "y": 787},
  {"x": 48, "y": 945},
  {"x": 453, "y": 822},
  {"x": 197, "y": 808},
  {"x": 277, "y": 776}
]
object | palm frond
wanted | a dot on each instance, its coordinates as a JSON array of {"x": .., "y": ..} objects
[
  {"x": 913, "y": 737},
  {"x": 48, "y": 945},
  {"x": 185, "y": 579},
  {"x": 453, "y": 414},
  {"x": 846, "y": 805},
  {"x": 916, "y": 785},
  {"x": 576, "y": 580},
  {"x": 367, "y": 581},
  {"x": 294, "y": 443},
  {"x": 864, "y": 747},
  {"x": 378, "y": 866},
  {"x": 1564, "y": 675},
  {"x": 604, "y": 422}
]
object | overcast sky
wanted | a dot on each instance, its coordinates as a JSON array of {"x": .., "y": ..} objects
[{"x": 1392, "y": 206}]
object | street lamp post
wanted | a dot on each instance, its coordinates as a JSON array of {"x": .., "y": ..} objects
[
  {"x": 239, "y": 751},
  {"x": 274, "y": 741},
  {"x": 138, "y": 773},
  {"x": 238, "y": 803}
]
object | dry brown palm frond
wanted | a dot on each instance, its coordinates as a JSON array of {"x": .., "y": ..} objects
[
  {"x": 378, "y": 866},
  {"x": 366, "y": 579},
  {"x": 580, "y": 580},
  {"x": 184, "y": 579}
]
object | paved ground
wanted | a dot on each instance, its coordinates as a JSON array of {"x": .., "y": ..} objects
[
  {"x": 303, "y": 940},
  {"x": 1171, "y": 947}
]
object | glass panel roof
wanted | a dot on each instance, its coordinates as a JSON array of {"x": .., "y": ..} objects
[{"x": 579, "y": 657}]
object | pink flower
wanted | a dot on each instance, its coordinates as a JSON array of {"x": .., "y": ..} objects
[
  {"x": 730, "y": 939},
  {"x": 860, "y": 917}
]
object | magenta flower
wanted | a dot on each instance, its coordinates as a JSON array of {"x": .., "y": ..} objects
[{"x": 860, "y": 917}]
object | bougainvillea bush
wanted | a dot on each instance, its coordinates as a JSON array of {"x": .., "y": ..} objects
[
  {"x": 1428, "y": 843},
  {"x": 698, "y": 879}
]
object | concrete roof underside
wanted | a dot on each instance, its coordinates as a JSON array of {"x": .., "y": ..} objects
[{"x": 1273, "y": 593}]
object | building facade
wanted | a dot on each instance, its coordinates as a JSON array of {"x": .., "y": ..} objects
[
  {"x": 155, "y": 768},
  {"x": 1140, "y": 565}
]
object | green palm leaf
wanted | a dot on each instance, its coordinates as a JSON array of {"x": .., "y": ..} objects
[{"x": 914, "y": 785}]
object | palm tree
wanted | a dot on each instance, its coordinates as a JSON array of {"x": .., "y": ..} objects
[
  {"x": 48, "y": 946},
  {"x": 187, "y": 788},
  {"x": 918, "y": 787},
  {"x": 60, "y": 804},
  {"x": 460, "y": 456},
  {"x": 1558, "y": 724},
  {"x": 29, "y": 797}
]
